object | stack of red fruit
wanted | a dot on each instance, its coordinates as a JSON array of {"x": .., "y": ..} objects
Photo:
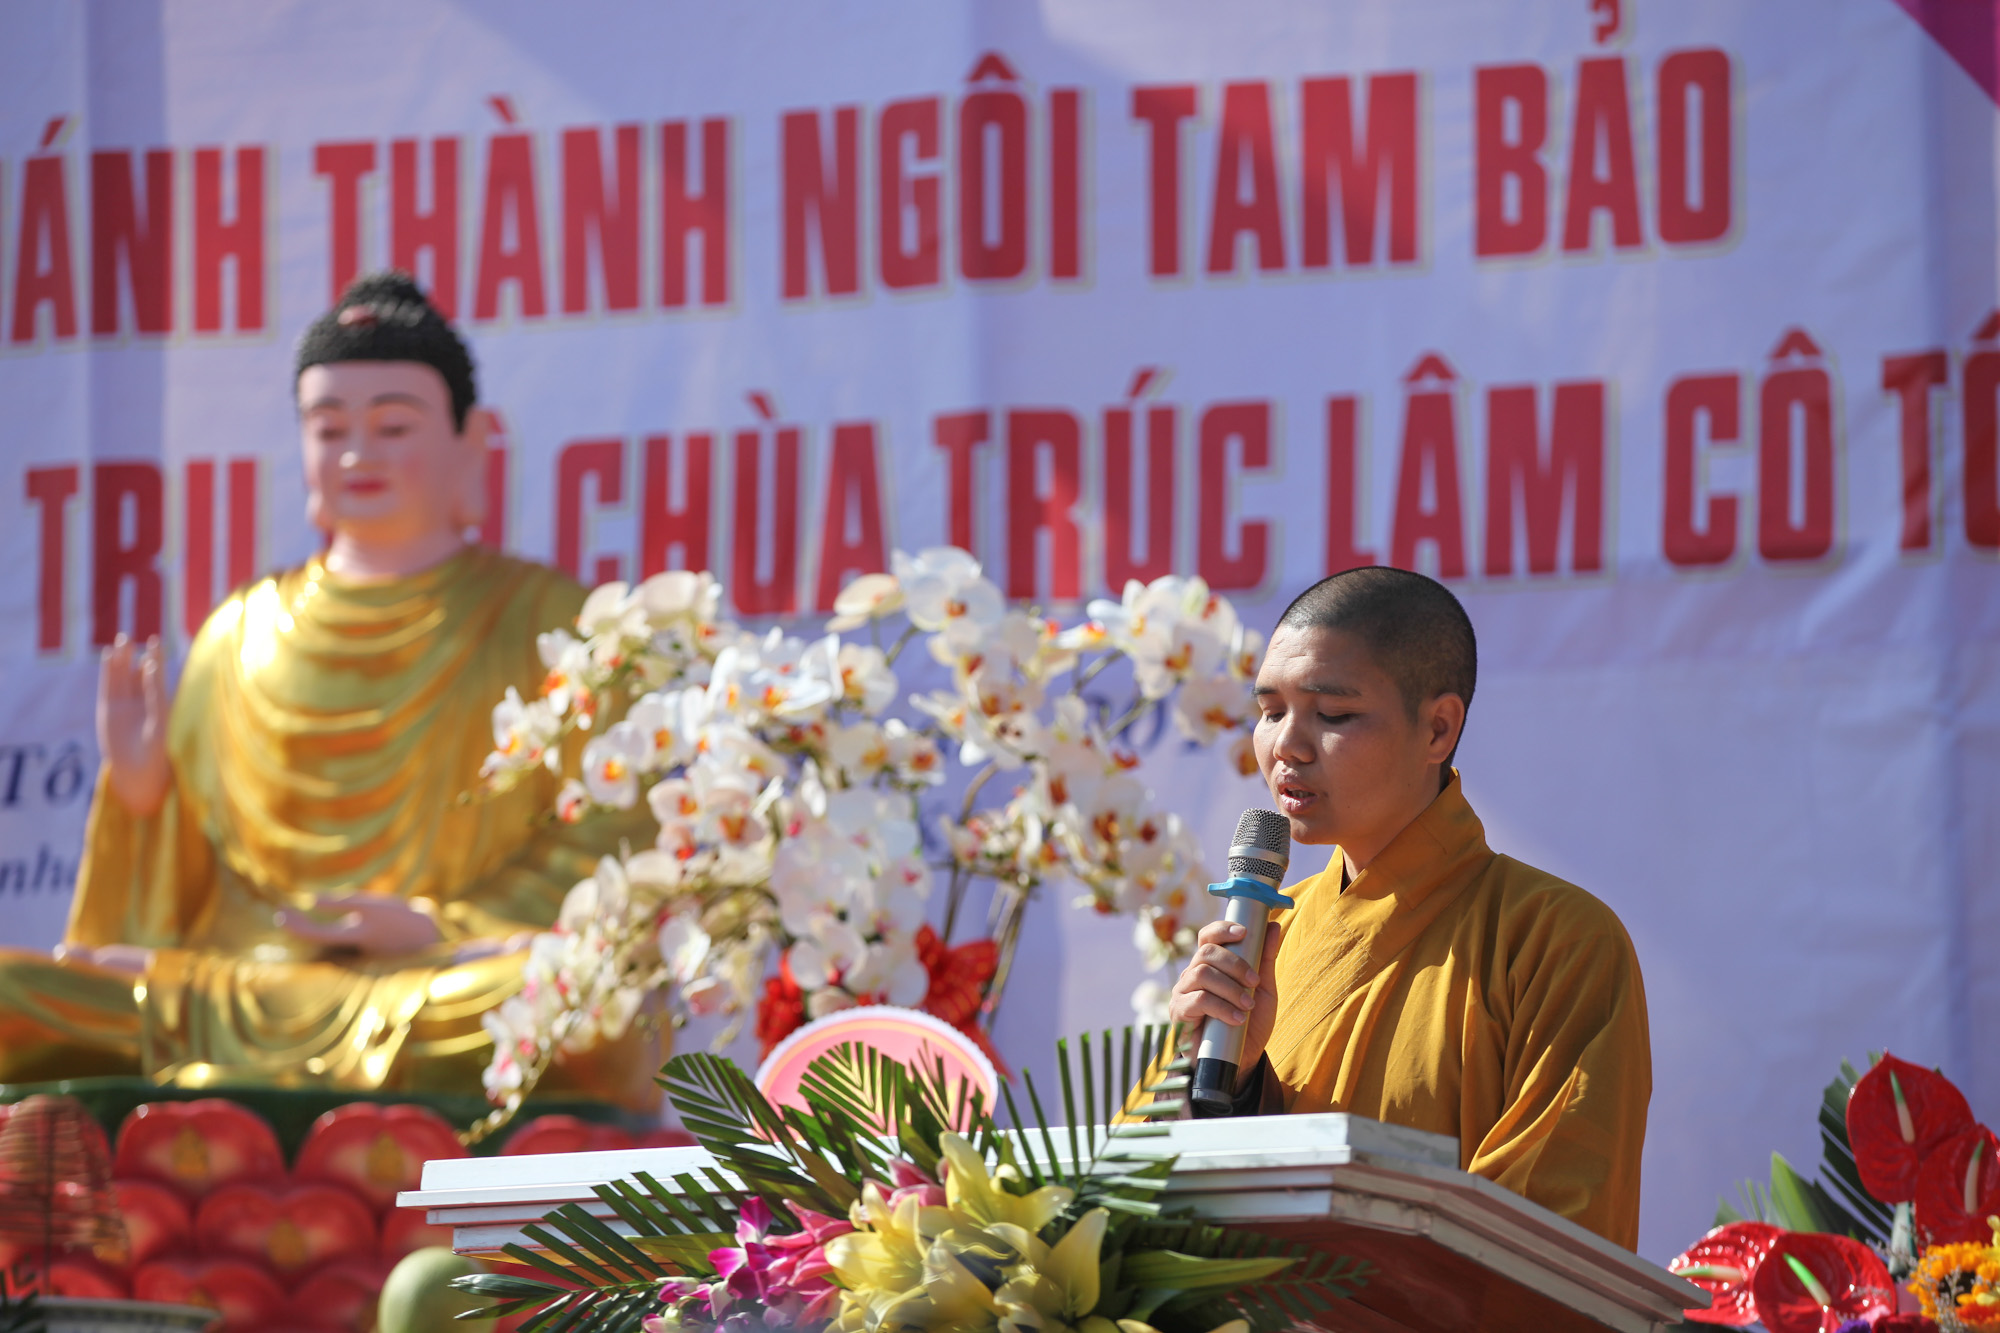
[{"x": 214, "y": 1218}]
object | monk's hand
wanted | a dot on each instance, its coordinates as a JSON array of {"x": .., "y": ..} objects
[
  {"x": 132, "y": 723},
  {"x": 373, "y": 925},
  {"x": 1217, "y": 984}
]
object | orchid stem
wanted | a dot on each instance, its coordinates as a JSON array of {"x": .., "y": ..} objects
[
  {"x": 896, "y": 648},
  {"x": 1138, "y": 710},
  {"x": 954, "y": 894},
  {"x": 972, "y": 789},
  {"x": 1091, "y": 672}
]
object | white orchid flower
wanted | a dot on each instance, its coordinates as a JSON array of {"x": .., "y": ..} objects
[
  {"x": 572, "y": 801},
  {"x": 612, "y": 763},
  {"x": 946, "y": 594},
  {"x": 603, "y": 609},
  {"x": 867, "y": 598},
  {"x": 1149, "y": 1003},
  {"x": 522, "y": 734},
  {"x": 913, "y": 756},
  {"x": 892, "y": 970},
  {"x": 684, "y": 947},
  {"x": 833, "y": 949},
  {"x": 860, "y": 749},
  {"x": 1210, "y": 705},
  {"x": 829, "y": 1000},
  {"x": 865, "y": 678},
  {"x": 569, "y": 669},
  {"x": 1246, "y": 653},
  {"x": 671, "y": 723},
  {"x": 678, "y": 596}
]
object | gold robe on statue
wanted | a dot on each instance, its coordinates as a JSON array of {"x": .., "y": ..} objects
[
  {"x": 321, "y": 740},
  {"x": 1452, "y": 989}
]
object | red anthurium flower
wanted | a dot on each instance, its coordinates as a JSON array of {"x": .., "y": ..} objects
[
  {"x": 1812, "y": 1283},
  {"x": 1958, "y": 1188},
  {"x": 1897, "y": 1114},
  {"x": 1722, "y": 1264}
]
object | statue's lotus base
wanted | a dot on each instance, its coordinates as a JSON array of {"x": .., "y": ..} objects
[{"x": 69, "y": 1314}]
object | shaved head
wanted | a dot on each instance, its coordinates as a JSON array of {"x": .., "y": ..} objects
[{"x": 1411, "y": 625}]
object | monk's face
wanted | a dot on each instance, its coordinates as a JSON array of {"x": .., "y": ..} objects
[
  {"x": 1337, "y": 746},
  {"x": 385, "y": 463}
]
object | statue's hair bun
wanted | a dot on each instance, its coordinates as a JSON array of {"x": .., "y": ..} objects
[{"x": 386, "y": 317}]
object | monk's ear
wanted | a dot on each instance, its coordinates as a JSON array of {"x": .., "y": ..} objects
[
  {"x": 1443, "y": 719},
  {"x": 480, "y": 428}
]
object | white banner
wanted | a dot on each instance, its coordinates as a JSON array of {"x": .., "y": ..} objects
[{"x": 1661, "y": 331}]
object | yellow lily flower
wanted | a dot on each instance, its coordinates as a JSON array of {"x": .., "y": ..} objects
[
  {"x": 882, "y": 1262},
  {"x": 1057, "y": 1287},
  {"x": 969, "y": 1190}
]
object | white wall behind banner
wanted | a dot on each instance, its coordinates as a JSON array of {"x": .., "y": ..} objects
[{"x": 1661, "y": 331}]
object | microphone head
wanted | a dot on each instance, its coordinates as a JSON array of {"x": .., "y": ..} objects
[{"x": 1262, "y": 847}]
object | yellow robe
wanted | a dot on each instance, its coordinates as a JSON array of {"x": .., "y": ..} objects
[
  {"x": 1452, "y": 989},
  {"x": 322, "y": 740}
]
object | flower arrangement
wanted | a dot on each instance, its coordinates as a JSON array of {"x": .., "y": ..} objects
[
  {"x": 785, "y": 781},
  {"x": 893, "y": 1203},
  {"x": 1915, "y": 1193}
]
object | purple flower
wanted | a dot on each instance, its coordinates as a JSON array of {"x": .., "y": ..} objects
[{"x": 785, "y": 1273}]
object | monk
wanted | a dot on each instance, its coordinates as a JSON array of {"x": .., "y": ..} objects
[
  {"x": 1424, "y": 979},
  {"x": 281, "y": 884}
]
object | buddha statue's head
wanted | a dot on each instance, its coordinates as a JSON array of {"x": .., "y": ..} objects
[{"x": 395, "y": 449}]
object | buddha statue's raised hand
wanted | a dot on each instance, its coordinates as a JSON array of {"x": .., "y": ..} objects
[{"x": 132, "y": 723}]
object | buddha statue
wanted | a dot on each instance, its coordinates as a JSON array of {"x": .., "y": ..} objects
[{"x": 283, "y": 883}]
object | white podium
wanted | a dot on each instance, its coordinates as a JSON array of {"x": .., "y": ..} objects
[{"x": 1451, "y": 1251}]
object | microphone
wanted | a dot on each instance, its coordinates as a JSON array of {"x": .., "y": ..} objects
[{"x": 1258, "y": 857}]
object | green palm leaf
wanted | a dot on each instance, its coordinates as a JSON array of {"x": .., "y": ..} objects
[
  {"x": 662, "y": 1233},
  {"x": 1099, "y": 1082},
  {"x": 1303, "y": 1283}
]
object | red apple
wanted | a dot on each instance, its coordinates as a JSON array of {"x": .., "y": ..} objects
[
  {"x": 290, "y": 1229},
  {"x": 405, "y": 1230},
  {"x": 196, "y": 1146},
  {"x": 248, "y": 1298},
  {"x": 157, "y": 1221},
  {"x": 84, "y": 1277},
  {"x": 340, "y": 1297},
  {"x": 376, "y": 1150},
  {"x": 564, "y": 1133}
]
